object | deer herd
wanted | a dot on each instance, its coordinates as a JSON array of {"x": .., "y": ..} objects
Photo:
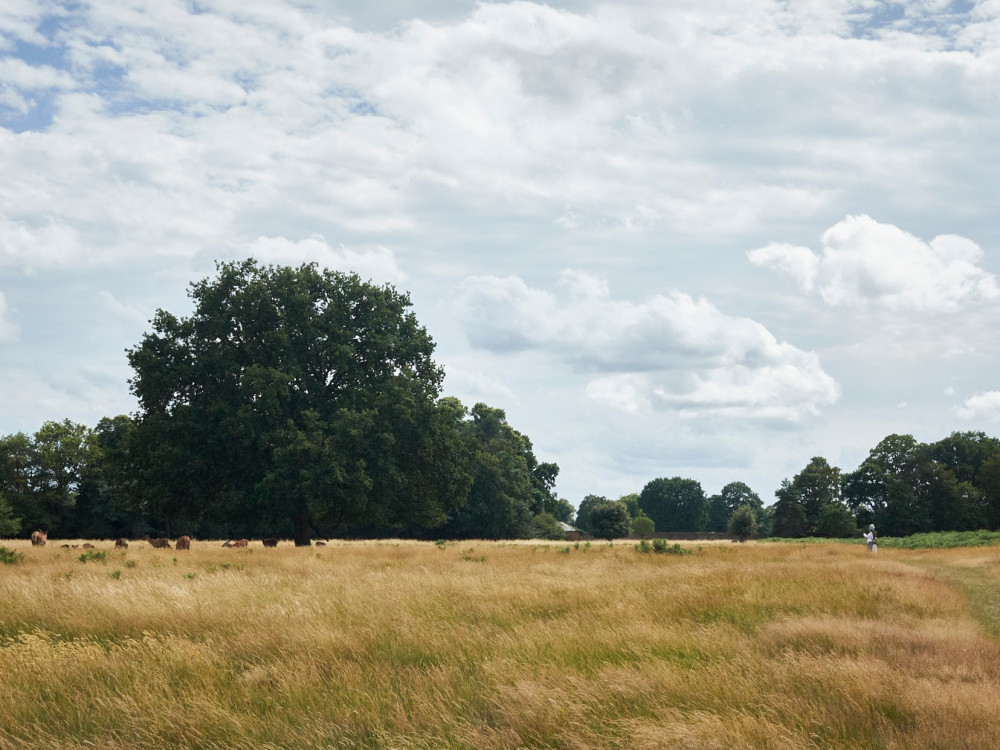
[{"x": 39, "y": 538}]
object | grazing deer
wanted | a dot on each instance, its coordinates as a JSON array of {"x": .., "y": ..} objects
[
  {"x": 88, "y": 545},
  {"x": 159, "y": 542},
  {"x": 38, "y": 538},
  {"x": 120, "y": 543},
  {"x": 183, "y": 542},
  {"x": 271, "y": 542}
]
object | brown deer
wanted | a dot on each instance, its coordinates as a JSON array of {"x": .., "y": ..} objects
[
  {"x": 271, "y": 542},
  {"x": 235, "y": 543},
  {"x": 88, "y": 545},
  {"x": 183, "y": 542},
  {"x": 159, "y": 542},
  {"x": 38, "y": 538},
  {"x": 120, "y": 543}
]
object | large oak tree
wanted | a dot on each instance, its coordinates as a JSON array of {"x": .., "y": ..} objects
[{"x": 297, "y": 398}]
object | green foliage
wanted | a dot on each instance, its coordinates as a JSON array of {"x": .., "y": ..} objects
[
  {"x": 93, "y": 555},
  {"x": 943, "y": 540},
  {"x": 631, "y": 503},
  {"x": 743, "y": 523},
  {"x": 609, "y": 521},
  {"x": 500, "y": 498},
  {"x": 10, "y": 556},
  {"x": 836, "y": 521},
  {"x": 675, "y": 504},
  {"x": 547, "y": 527},
  {"x": 811, "y": 503},
  {"x": 731, "y": 497},
  {"x": 299, "y": 396},
  {"x": 116, "y": 574},
  {"x": 9, "y": 526},
  {"x": 643, "y": 526},
  {"x": 583, "y": 512},
  {"x": 661, "y": 547},
  {"x": 644, "y": 547}
]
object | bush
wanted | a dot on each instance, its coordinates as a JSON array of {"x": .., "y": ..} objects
[
  {"x": 643, "y": 526},
  {"x": 743, "y": 523},
  {"x": 9, "y": 556},
  {"x": 661, "y": 547},
  {"x": 643, "y": 547},
  {"x": 547, "y": 527},
  {"x": 92, "y": 554}
]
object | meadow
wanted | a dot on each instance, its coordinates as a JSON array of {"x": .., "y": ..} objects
[{"x": 399, "y": 644}]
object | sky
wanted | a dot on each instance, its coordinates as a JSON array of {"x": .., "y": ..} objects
[{"x": 708, "y": 238}]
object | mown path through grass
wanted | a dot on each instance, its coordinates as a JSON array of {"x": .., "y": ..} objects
[{"x": 976, "y": 573}]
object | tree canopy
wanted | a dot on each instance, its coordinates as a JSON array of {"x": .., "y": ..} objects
[
  {"x": 675, "y": 504},
  {"x": 295, "y": 395}
]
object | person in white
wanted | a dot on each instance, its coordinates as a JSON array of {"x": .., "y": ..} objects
[{"x": 872, "y": 539}]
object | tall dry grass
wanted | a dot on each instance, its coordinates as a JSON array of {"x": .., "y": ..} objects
[{"x": 486, "y": 645}]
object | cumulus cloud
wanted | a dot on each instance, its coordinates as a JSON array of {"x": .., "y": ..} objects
[
  {"x": 985, "y": 406},
  {"x": 373, "y": 263},
  {"x": 669, "y": 352},
  {"x": 866, "y": 263},
  {"x": 30, "y": 248}
]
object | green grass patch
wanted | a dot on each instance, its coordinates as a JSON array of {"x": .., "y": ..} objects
[
  {"x": 943, "y": 540},
  {"x": 9, "y": 556}
]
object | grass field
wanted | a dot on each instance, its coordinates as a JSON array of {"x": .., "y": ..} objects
[{"x": 492, "y": 645}]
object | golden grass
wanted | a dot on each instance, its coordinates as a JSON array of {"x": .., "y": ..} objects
[{"x": 491, "y": 645}]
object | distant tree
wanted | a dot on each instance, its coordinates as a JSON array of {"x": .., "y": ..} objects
[
  {"x": 563, "y": 510},
  {"x": 836, "y": 522},
  {"x": 884, "y": 489},
  {"x": 643, "y": 526},
  {"x": 743, "y": 523},
  {"x": 583, "y": 512},
  {"x": 675, "y": 504},
  {"x": 631, "y": 503},
  {"x": 963, "y": 453},
  {"x": 501, "y": 497},
  {"x": 17, "y": 469},
  {"x": 547, "y": 527},
  {"x": 988, "y": 484},
  {"x": 789, "y": 516},
  {"x": 9, "y": 526},
  {"x": 730, "y": 497},
  {"x": 609, "y": 521}
]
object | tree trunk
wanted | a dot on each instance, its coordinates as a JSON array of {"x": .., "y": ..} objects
[{"x": 302, "y": 536}]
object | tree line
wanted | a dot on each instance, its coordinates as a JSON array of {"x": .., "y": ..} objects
[
  {"x": 903, "y": 486},
  {"x": 300, "y": 402},
  {"x": 293, "y": 402}
]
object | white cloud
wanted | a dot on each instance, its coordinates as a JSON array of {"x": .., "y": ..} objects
[
  {"x": 865, "y": 263},
  {"x": 985, "y": 406},
  {"x": 669, "y": 352},
  {"x": 374, "y": 263},
  {"x": 8, "y": 328},
  {"x": 30, "y": 248}
]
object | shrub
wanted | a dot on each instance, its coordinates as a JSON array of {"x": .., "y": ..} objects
[
  {"x": 9, "y": 556},
  {"x": 743, "y": 523},
  {"x": 643, "y": 527},
  {"x": 661, "y": 547},
  {"x": 94, "y": 555},
  {"x": 643, "y": 547},
  {"x": 547, "y": 527}
]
